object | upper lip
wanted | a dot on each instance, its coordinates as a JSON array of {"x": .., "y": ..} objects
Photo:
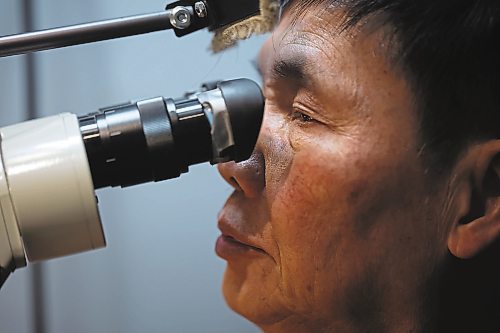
[{"x": 229, "y": 231}]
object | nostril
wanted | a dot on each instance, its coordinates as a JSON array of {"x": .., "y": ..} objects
[{"x": 235, "y": 183}]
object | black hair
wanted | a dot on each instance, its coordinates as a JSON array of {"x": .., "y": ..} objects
[{"x": 449, "y": 52}]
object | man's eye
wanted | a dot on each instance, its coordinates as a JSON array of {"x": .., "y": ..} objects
[{"x": 302, "y": 117}]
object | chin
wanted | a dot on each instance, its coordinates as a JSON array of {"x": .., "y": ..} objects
[{"x": 254, "y": 297}]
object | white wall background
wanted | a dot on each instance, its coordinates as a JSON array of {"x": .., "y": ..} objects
[{"x": 159, "y": 272}]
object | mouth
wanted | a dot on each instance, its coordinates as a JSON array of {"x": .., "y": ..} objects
[
  {"x": 230, "y": 244},
  {"x": 231, "y": 240}
]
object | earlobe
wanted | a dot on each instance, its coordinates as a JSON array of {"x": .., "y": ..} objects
[
  {"x": 481, "y": 225},
  {"x": 467, "y": 240}
]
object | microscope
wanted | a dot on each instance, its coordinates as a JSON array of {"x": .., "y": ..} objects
[{"x": 51, "y": 167}]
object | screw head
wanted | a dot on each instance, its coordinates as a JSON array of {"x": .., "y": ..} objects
[
  {"x": 201, "y": 9},
  {"x": 181, "y": 17}
]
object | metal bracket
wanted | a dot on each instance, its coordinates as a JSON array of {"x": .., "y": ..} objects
[{"x": 218, "y": 116}]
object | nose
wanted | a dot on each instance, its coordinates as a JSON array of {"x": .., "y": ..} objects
[{"x": 248, "y": 176}]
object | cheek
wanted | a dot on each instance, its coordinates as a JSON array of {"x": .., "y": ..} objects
[
  {"x": 310, "y": 187},
  {"x": 335, "y": 214},
  {"x": 307, "y": 217},
  {"x": 325, "y": 177}
]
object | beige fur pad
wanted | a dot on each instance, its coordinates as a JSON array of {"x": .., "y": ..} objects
[{"x": 265, "y": 22}]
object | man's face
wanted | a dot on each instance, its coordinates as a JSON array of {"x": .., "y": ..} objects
[{"x": 335, "y": 197}]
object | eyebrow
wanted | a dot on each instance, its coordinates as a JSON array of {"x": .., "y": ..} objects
[{"x": 293, "y": 68}]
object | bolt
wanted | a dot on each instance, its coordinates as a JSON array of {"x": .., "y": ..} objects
[
  {"x": 181, "y": 17},
  {"x": 200, "y": 9}
]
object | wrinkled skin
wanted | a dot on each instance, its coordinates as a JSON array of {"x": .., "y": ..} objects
[{"x": 336, "y": 194}]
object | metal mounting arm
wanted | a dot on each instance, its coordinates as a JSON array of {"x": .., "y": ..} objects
[{"x": 183, "y": 16}]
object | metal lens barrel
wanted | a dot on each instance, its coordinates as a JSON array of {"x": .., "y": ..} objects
[{"x": 158, "y": 139}]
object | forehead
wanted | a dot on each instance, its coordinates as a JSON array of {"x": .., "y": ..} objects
[
  {"x": 313, "y": 49},
  {"x": 311, "y": 35},
  {"x": 345, "y": 69}
]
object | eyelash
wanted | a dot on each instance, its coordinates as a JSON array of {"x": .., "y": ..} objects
[{"x": 301, "y": 117}]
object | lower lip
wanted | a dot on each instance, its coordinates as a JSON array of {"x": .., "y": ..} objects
[{"x": 227, "y": 247}]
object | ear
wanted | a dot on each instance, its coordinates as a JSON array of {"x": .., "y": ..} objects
[{"x": 480, "y": 225}]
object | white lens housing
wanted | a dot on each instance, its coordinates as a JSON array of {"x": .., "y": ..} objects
[{"x": 46, "y": 182}]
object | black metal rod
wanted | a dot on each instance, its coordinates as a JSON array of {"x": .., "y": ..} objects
[{"x": 84, "y": 33}]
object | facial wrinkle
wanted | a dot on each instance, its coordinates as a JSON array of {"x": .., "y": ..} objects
[
  {"x": 330, "y": 83},
  {"x": 282, "y": 163}
]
